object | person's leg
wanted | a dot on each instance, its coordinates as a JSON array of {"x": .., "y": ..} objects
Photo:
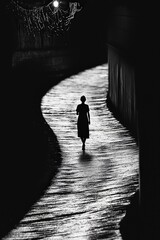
[{"x": 84, "y": 140}]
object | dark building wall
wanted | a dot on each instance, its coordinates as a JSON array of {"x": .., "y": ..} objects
[
  {"x": 122, "y": 26},
  {"x": 134, "y": 45},
  {"x": 121, "y": 59},
  {"x": 122, "y": 94}
]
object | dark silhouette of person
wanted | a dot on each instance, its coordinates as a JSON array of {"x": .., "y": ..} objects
[{"x": 83, "y": 121}]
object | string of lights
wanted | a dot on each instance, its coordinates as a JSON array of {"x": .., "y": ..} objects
[{"x": 53, "y": 17}]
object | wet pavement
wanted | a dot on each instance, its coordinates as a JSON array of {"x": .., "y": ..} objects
[{"x": 88, "y": 196}]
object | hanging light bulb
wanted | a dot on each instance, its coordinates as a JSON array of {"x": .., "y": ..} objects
[{"x": 55, "y": 3}]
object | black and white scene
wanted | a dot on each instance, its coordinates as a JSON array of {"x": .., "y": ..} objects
[{"x": 80, "y": 120}]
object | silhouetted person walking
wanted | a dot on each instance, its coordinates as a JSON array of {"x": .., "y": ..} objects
[{"x": 83, "y": 121}]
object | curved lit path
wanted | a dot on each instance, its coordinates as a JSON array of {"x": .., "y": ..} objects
[{"x": 88, "y": 196}]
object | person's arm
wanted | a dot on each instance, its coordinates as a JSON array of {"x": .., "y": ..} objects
[
  {"x": 88, "y": 114},
  {"x": 77, "y": 111},
  {"x": 89, "y": 118}
]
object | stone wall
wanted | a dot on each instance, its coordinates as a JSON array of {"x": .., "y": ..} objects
[
  {"x": 121, "y": 59},
  {"x": 134, "y": 76},
  {"x": 62, "y": 60},
  {"x": 121, "y": 94}
]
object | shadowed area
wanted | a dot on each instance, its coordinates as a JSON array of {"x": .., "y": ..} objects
[{"x": 85, "y": 157}]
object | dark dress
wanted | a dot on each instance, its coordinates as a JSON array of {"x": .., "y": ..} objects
[{"x": 82, "y": 123}]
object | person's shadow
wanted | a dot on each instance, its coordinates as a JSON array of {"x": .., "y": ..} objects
[{"x": 85, "y": 157}]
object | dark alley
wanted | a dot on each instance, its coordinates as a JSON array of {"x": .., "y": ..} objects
[{"x": 52, "y": 53}]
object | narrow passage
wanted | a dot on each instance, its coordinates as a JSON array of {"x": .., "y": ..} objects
[{"x": 88, "y": 196}]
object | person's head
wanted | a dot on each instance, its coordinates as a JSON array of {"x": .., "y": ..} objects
[{"x": 83, "y": 99}]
